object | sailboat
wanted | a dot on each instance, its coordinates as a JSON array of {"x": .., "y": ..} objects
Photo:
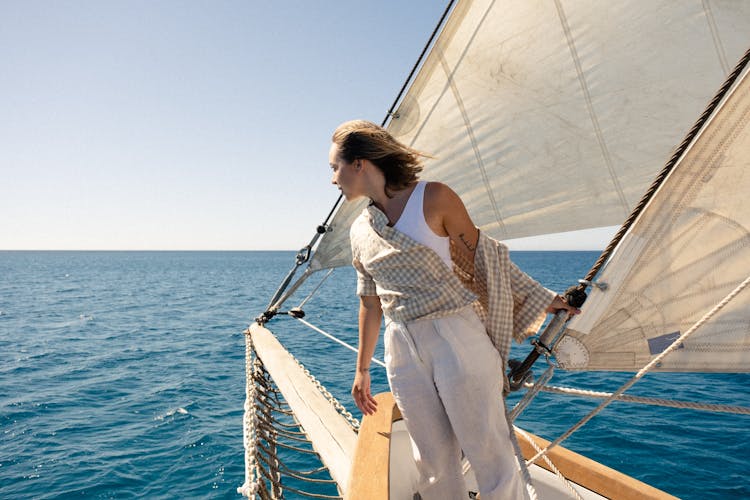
[{"x": 548, "y": 117}]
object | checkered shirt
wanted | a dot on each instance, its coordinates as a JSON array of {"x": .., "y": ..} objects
[{"x": 413, "y": 282}]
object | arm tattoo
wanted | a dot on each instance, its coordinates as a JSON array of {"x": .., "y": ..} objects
[{"x": 466, "y": 242}]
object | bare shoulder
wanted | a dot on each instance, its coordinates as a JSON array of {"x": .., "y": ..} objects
[
  {"x": 439, "y": 199},
  {"x": 439, "y": 194},
  {"x": 445, "y": 211}
]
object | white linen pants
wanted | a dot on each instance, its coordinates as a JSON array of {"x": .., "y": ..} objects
[{"x": 446, "y": 378}]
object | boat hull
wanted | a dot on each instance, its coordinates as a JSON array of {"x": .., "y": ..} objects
[{"x": 384, "y": 468}]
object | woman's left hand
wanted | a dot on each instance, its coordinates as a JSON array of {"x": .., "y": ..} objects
[{"x": 560, "y": 304}]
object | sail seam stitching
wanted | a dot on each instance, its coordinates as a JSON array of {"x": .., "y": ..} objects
[
  {"x": 701, "y": 166},
  {"x": 440, "y": 24},
  {"x": 711, "y": 20},
  {"x": 449, "y": 75},
  {"x": 590, "y": 105},
  {"x": 474, "y": 146},
  {"x": 450, "y": 83},
  {"x": 670, "y": 165}
]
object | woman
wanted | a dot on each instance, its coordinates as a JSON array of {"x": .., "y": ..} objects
[{"x": 419, "y": 261}]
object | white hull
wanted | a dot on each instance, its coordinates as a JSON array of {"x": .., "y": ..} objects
[
  {"x": 404, "y": 476},
  {"x": 383, "y": 439}
]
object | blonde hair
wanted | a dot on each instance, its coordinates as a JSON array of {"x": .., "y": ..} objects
[{"x": 363, "y": 140}]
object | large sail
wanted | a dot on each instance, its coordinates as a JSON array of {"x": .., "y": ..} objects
[
  {"x": 551, "y": 116},
  {"x": 687, "y": 250}
]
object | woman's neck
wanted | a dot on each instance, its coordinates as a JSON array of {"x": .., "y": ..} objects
[{"x": 393, "y": 206}]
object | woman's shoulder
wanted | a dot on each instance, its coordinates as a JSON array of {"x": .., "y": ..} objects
[
  {"x": 441, "y": 196},
  {"x": 437, "y": 192}
]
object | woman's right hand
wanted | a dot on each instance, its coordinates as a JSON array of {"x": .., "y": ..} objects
[{"x": 361, "y": 393}]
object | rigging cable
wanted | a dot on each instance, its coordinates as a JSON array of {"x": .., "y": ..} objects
[
  {"x": 328, "y": 274},
  {"x": 348, "y": 346},
  {"x": 541, "y": 386},
  {"x": 555, "y": 470},
  {"x": 576, "y": 295},
  {"x": 303, "y": 255},
  {"x": 654, "y": 362},
  {"x": 414, "y": 68},
  {"x": 667, "y": 168},
  {"x": 669, "y": 403}
]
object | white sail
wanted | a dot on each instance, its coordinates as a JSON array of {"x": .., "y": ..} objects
[
  {"x": 555, "y": 115},
  {"x": 688, "y": 249}
]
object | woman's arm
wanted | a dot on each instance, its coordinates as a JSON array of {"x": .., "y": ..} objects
[
  {"x": 446, "y": 215},
  {"x": 445, "y": 208},
  {"x": 370, "y": 317}
]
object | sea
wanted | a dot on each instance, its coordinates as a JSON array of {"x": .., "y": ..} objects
[{"x": 122, "y": 375}]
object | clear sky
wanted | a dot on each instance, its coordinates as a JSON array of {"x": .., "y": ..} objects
[{"x": 186, "y": 125}]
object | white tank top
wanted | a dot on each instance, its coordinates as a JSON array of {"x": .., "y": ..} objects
[{"x": 413, "y": 224}]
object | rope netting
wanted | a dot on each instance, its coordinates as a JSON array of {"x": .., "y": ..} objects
[{"x": 276, "y": 445}]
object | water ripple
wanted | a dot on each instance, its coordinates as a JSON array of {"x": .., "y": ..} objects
[{"x": 122, "y": 376}]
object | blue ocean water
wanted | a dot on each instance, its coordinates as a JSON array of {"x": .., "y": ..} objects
[{"x": 122, "y": 375}]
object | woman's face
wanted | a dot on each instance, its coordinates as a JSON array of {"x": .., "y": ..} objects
[{"x": 345, "y": 175}]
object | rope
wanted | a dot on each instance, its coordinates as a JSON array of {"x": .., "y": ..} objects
[
  {"x": 525, "y": 474},
  {"x": 290, "y": 436},
  {"x": 739, "y": 410},
  {"x": 669, "y": 166},
  {"x": 264, "y": 435},
  {"x": 274, "y": 459},
  {"x": 654, "y": 362},
  {"x": 263, "y": 405},
  {"x": 304, "y": 254},
  {"x": 311, "y": 495},
  {"x": 287, "y": 435},
  {"x": 560, "y": 476},
  {"x": 302, "y": 477},
  {"x": 250, "y": 487},
  {"x": 289, "y": 426},
  {"x": 297, "y": 448},
  {"x": 531, "y": 393},
  {"x": 348, "y": 346},
  {"x": 353, "y": 422},
  {"x": 416, "y": 64},
  {"x": 276, "y": 492},
  {"x": 314, "y": 290}
]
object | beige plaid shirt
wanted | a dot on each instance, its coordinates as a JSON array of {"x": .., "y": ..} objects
[{"x": 413, "y": 282}]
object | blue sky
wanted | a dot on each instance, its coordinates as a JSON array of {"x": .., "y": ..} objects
[{"x": 160, "y": 125}]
